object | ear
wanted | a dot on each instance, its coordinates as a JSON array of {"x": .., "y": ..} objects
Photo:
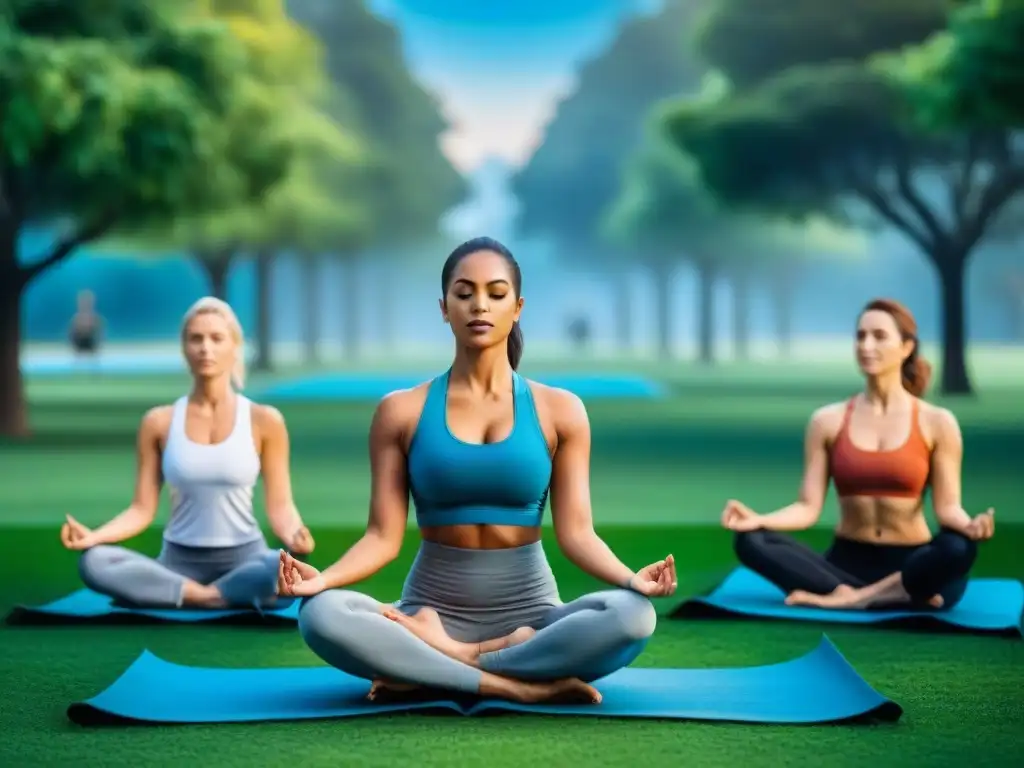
[
  {"x": 444, "y": 310},
  {"x": 909, "y": 345},
  {"x": 519, "y": 308}
]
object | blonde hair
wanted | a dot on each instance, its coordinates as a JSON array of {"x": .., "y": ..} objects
[{"x": 214, "y": 306}]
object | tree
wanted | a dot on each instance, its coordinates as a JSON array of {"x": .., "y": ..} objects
[
  {"x": 115, "y": 115},
  {"x": 575, "y": 175},
  {"x": 838, "y": 138},
  {"x": 412, "y": 184},
  {"x": 664, "y": 218},
  {"x": 972, "y": 75}
]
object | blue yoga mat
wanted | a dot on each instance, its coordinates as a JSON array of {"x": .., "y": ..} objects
[
  {"x": 88, "y": 607},
  {"x": 334, "y": 387},
  {"x": 818, "y": 687},
  {"x": 989, "y": 606}
]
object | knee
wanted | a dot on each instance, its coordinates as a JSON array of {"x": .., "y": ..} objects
[
  {"x": 92, "y": 562},
  {"x": 746, "y": 545},
  {"x": 957, "y": 547},
  {"x": 322, "y": 619},
  {"x": 634, "y": 613}
]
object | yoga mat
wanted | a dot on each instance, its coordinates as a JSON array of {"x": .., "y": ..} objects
[
  {"x": 818, "y": 687},
  {"x": 989, "y": 606},
  {"x": 88, "y": 607},
  {"x": 335, "y": 387}
]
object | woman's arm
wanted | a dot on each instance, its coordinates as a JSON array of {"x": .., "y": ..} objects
[
  {"x": 282, "y": 514},
  {"x": 806, "y": 510},
  {"x": 570, "y": 494},
  {"x": 389, "y": 499},
  {"x": 947, "y": 458},
  {"x": 148, "y": 481}
]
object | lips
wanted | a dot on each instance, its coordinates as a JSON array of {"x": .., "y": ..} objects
[{"x": 480, "y": 324}]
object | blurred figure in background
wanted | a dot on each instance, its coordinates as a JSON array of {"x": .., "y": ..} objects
[{"x": 86, "y": 326}]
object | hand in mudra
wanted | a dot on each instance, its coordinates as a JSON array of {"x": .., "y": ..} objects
[
  {"x": 738, "y": 517},
  {"x": 75, "y": 536},
  {"x": 302, "y": 542},
  {"x": 298, "y": 579},
  {"x": 657, "y": 579},
  {"x": 982, "y": 526}
]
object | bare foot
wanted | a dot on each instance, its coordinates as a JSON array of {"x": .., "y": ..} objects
[
  {"x": 517, "y": 637},
  {"x": 427, "y": 626},
  {"x": 843, "y": 596},
  {"x": 380, "y": 689},
  {"x": 202, "y": 596},
  {"x": 567, "y": 691}
]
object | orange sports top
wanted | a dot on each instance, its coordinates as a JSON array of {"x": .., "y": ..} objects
[{"x": 900, "y": 472}]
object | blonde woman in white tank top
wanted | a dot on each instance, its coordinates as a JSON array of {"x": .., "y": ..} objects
[{"x": 209, "y": 448}]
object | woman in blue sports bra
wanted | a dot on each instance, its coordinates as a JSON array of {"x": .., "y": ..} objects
[{"x": 479, "y": 449}]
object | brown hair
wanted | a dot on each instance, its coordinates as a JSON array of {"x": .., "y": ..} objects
[{"x": 917, "y": 371}]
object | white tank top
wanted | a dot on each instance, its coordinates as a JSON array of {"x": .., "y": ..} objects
[{"x": 211, "y": 486}]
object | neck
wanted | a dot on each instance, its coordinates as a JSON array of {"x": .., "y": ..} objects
[
  {"x": 486, "y": 370},
  {"x": 884, "y": 391},
  {"x": 212, "y": 392}
]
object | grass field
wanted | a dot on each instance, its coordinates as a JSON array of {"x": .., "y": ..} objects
[{"x": 661, "y": 471}]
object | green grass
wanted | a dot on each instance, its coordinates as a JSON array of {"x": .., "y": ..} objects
[{"x": 661, "y": 472}]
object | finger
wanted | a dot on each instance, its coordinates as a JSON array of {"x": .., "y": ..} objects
[{"x": 672, "y": 570}]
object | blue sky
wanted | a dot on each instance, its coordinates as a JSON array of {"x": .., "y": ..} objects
[{"x": 500, "y": 66}]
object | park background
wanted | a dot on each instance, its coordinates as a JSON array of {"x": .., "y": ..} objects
[{"x": 701, "y": 194}]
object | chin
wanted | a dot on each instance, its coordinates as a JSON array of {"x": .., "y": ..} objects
[
  {"x": 479, "y": 342},
  {"x": 869, "y": 369}
]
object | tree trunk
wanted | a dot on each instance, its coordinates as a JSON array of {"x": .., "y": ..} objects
[
  {"x": 706, "y": 275},
  {"x": 217, "y": 267},
  {"x": 741, "y": 314},
  {"x": 623, "y": 312},
  {"x": 350, "y": 307},
  {"x": 13, "y": 408},
  {"x": 264, "y": 355},
  {"x": 311, "y": 301},
  {"x": 952, "y": 269},
  {"x": 663, "y": 273},
  {"x": 783, "y": 284}
]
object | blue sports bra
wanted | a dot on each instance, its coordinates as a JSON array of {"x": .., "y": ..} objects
[{"x": 457, "y": 483}]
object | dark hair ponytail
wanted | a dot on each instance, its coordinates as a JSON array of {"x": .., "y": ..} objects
[
  {"x": 916, "y": 373},
  {"x": 477, "y": 244},
  {"x": 515, "y": 346}
]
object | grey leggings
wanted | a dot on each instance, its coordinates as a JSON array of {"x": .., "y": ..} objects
[
  {"x": 246, "y": 575},
  {"x": 480, "y": 595}
]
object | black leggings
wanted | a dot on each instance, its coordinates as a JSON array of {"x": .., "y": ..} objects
[{"x": 939, "y": 567}]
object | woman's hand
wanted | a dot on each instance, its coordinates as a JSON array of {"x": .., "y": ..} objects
[
  {"x": 298, "y": 579},
  {"x": 657, "y": 579},
  {"x": 75, "y": 536},
  {"x": 738, "y": 517},
  {"x": 302, "y": 542},
  {"x": 982, "y": 526}
]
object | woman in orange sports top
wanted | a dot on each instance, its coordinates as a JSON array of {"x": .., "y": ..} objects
[{"x": 882, "y": 449}]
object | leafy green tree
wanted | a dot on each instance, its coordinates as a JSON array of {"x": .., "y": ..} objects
[
  {"x": 412, "y": 184},
  {"x": 666, "y": 217},
  {"x": 115, "y": 115},
  {"x": 972, "y": 75},
  {"x": 663, "y": 218},
  {"x": 575, "y": 175},
  {"x": 841, "y": 138}
]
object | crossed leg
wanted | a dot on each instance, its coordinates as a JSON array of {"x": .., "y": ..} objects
[
  {"x": 586, "y": 639},
  {"x": 136, "y": 579},
  {"x": 350, "y": 631}
]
